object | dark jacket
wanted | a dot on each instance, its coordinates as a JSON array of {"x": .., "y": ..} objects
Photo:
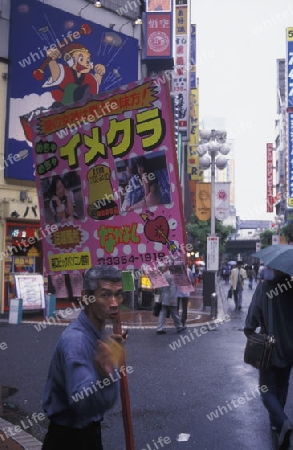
[{"x": 281, "y": 292}]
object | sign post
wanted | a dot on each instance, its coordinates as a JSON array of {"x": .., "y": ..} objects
[{"x": 213, "y": 253}]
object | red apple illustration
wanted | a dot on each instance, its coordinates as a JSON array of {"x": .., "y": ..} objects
[{"x": 157, "y": 230}]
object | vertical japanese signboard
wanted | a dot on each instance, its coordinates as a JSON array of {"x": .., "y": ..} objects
[
  {"x": 107, "y": 175},
  {"x": 270, "y": 183},
  {"x": 157, "y": 23},
  {"x": 181, "y": 70},
  {"x": 290, "y": 160},
  {"x": 289, "y": 68},
  {"x": 193, "y": 170},
  {"x": 289, "y": 88},
  {"x": 158, "y": 35},
  {"x": 212, "y": 253}
]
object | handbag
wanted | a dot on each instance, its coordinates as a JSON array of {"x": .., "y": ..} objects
[
  {"x": 230, "y": 293},
  {"x": 157, "y": 309},
  {"x": 259, "y": 347}
]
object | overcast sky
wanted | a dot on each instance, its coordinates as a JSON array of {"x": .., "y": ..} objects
[{"x": 238, "y": 43}]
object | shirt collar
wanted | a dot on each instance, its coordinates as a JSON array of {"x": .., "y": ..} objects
[{"x": 85, "y": 321}]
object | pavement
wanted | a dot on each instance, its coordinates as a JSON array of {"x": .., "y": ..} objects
[
  {"x": 21, "y": 440},
  {"x": 139, "y": 318},
  {"x": 17, "y": 439},
  {"x": 181, "y": 386}
]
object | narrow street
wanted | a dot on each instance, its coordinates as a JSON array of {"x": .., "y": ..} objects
[{"x": 184, "y": 386}]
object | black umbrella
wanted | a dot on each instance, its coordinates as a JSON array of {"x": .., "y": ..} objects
[{"x": 279, "y": 257}]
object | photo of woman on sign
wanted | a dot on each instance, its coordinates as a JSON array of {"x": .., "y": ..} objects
[
  {"x": 62, "y": 201},
  {"x": 152, "y": 197},
  {"x": 62, "y": 198},
  {"x": 148, "y": 181}
]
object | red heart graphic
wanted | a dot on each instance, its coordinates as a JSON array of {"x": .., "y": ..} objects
[{"x": 154, "y": 228}]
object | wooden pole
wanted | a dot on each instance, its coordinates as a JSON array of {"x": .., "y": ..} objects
[{"x": 124, "y": 395}]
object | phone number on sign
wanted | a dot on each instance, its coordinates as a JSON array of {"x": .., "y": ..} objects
[{"x": 143, "y": 258}]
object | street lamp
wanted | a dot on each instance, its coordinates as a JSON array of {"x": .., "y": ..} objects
[{"x": 213, "y": 143}]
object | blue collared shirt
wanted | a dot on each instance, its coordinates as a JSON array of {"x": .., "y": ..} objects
[{"x": 75, "y": 393}]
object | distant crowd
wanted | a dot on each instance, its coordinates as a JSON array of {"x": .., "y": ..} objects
[{"x": 254, "y": 272}]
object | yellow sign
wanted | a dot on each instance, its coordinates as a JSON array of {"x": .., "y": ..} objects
[
  {"x": 290, "y": 202},
  {"x": 193, "y": 170},
  {"x": 181, "y": 20},
  {"x": 70, "y": 261},
  {"x": 289, "y": 34},
  {"x": 203, "y": 201},
  {"x": 283, "y": 240},
  {"x": 145, "y": 282}
]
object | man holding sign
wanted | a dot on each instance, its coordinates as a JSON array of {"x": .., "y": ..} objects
[{"x": 82, "y": 381}]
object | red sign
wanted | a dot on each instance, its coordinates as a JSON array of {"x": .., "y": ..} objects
[
  {"x": 270, "y": 184},
  {"x": 158, "y": 35}
]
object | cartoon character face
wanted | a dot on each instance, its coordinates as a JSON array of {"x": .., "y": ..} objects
[{"x": 82, "y": 61}]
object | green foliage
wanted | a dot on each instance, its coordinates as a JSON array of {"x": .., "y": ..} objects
[
  {"x": 200, "y": 229},
  {"x": 266, "y": 238},
  {"x": 287, "y": 231}
]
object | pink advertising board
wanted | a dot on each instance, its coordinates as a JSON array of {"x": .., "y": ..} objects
[{"x": 107, "y": 175}]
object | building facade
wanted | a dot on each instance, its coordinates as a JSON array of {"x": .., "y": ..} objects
[{"x": 29, "y": 30}]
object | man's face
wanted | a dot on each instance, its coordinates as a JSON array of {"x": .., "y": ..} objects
[
  {"x": 82, "y": 61},
  {"x": 109, "y": 297}
]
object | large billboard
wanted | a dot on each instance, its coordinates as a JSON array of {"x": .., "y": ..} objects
[
  {"x": 158, "y": 30},
  {"x": 193, "y": 169},
  {"x": 107, "y": 174},
  {"x": 181, "y": 87},
  {"x": 289, "y": 88},
  {"x": 56, "y": 58}
]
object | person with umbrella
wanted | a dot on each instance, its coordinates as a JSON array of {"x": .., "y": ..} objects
[{"x": 276, "y": 377}]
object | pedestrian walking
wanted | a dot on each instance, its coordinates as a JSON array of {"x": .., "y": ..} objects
[
  {"x": 251, "y": 276},
  {"x": 82, "y": 381},
  {"x": 226, "y": 273},
  {"x": 238, "y": 275},
  {"x": 276, "y": 377},
  {"x": 168, "y": 299},
  {"x": 256, "y": 269},
  {"x": 183, "y": 298}
]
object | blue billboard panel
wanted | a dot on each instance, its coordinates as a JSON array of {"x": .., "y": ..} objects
[
  {"x": 290, "y": 155},
  {"x": 193, "y": 45},
  {"x": 57, "y": 59},
  {"x": 193, "y": 57}
]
